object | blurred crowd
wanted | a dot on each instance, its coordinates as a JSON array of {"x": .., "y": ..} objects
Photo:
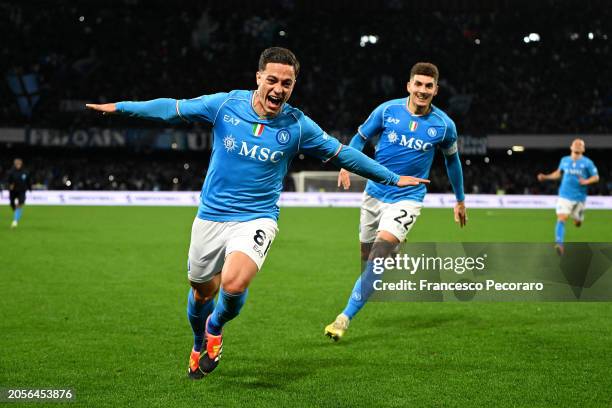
[
  {"x": 504, "y": 69},
  {"x": 496, "y": 173}
]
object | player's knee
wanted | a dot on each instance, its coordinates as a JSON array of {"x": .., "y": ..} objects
[
  {"x": 235, "y": 285},
  {"x": 203, "y": 292},
  {"x": 562, "y": 217},
  {"x": 382, "y": 248},
  {"x": 366, "y": 247}
]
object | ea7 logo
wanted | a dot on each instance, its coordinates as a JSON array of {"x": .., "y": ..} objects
[
  {"x": 393, "y": 120},
  {"x": 263, "y": 154},
  {"x": 231, "y": 119}
]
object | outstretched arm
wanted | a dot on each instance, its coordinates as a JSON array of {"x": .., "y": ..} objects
[
  {"x": 319, "y": 144},
  {"x": 358, "y": 163},
  {"x": 455, "y": 175},
  {"x": 344, "y": 177},
  {"x": 162, "y": 109},
  {"x": 591, "y": 180},
  {"x": 555, "y": 175}
]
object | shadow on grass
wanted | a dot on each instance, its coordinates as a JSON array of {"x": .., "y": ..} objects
[{"x": 274, "y": 374}]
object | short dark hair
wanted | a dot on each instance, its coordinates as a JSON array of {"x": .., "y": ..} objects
[
  {"x": 279, "y": 55},
  {"x": 425, "y": 68}
]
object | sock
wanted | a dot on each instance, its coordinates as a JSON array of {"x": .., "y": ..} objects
[
  {"x": 559, "y": 232},
  {"x": 197, "y": 313},
  {"x": 17, "y": 214},
  {"x": 228, "y": 306},
  {"x": 361, "y": 291}
]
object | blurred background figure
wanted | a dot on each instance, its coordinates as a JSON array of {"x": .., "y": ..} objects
[{"x": 18, "y": 182}]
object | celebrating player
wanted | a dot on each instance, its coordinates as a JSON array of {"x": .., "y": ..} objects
[
  {"x": 578, "y": 173},
  {"x": 410, "y": 130},
  {"x": 256, "y": 135},
  {"x": 19, "y": 182}
]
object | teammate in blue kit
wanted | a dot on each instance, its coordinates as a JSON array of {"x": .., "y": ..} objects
[
  {"x": 256, "y": 135},
  {"x": 410, "y": 130},
  {"x": 578, "y": 173}
]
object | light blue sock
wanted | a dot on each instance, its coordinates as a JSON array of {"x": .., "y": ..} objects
[
  {"x": 560, "y": 232},
  {"x": 17, "y": 214},
  {"x": 197, "y": 313},
  {"x": 361, "y": 291},
  {"x": 228, "y": 307}
]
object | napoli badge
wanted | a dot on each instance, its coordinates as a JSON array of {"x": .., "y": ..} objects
[
  {"x": 283, "y": 137},
  {"x": 432, "y": 132}
]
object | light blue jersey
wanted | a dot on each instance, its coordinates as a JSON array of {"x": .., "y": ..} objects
[
  {"x": 570, "y": 187},
  {"x": 407, "y": 145},
  {"x": 250, "y": 156}
]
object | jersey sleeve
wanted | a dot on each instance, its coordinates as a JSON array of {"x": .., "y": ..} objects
[
  {"x": 373, "y": 125},
  {"x": 592, "y": 169},
  {"x": 315, "y": 142},
  {"x": 449, "y": 143},
  {"x": 561, "y": 166},
  {"x": 201, "y": 109}
]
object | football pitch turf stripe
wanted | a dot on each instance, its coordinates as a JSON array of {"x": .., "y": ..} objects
[{"x": 93, "y": 298}]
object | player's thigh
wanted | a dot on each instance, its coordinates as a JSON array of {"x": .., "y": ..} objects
[
  {"x": 251, "y": 242},
  {"x": 239, "y": 270},
  {"x": 369, "y": 218},
  {"x": 207, "y": 249},
  {"x": 578, "y": 211},
  {"x": 564, "y": 207},
  {"x": 399, "y": 218},
  {"x": 21, "y": 198}
]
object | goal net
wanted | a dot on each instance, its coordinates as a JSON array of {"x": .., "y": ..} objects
[{"x": 324, "y": 181}]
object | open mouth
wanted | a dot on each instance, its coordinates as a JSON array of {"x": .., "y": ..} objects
[
  {"x": 422, "y": 98},
  {"x": 274, "y": 101}
]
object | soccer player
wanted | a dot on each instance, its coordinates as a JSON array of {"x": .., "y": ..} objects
[
  {"x": 19, "y": 182},
  {"x": 256, "y": 135},
  {"x": 410, "y": 130},
  {"x": 578, "y": 173}
]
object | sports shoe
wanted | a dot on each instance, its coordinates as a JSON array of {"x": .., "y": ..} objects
[
  {"x": 560, "y": 249},
  {"x": 214, "y": 347},
  {"x": 194, "y": 371},
  {"x": 14, "y": 224},
  {"x": 577, "y": 223},
  {"x": 336, "y": 330}
]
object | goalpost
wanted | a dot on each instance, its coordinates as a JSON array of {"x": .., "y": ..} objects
[{"x": 324, "y": 181}]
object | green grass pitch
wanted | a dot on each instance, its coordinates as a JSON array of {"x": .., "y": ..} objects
[{"x": 94, "y": 299}]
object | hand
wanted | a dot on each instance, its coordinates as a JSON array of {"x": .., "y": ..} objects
[
  {"x": 583, "y": 182},
  {"x": 460, "y": 213},
  {"x": 541, "y": 177},
  {"x": 344, "y": 179},
  {"x": 411, "y": 181},
  {"x": 105, "y": 108}
]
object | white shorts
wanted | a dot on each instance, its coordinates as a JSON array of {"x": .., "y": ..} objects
[
  {"x": 396, "y": 218},
  {"x": 575, "y": 209},
  {"x": 212, "y": 241}
]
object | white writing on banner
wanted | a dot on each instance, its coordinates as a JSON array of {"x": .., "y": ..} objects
[
  {"x": 192, "y": 199},
  {"x": 470, "y": 145},
  {"x": 78, "y": 138}
]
